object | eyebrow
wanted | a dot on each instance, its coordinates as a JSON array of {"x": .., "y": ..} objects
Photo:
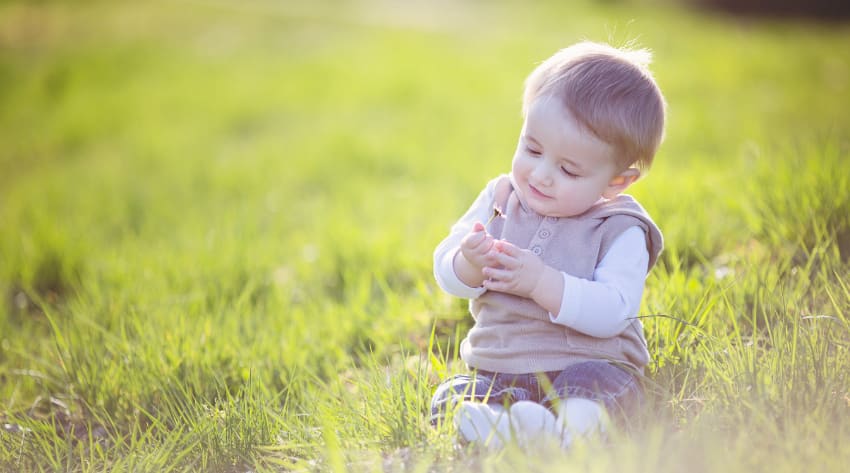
[{"x": 569, "y": 161}]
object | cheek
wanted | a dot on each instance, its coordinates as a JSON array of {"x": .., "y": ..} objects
[
  {"x": 518, "y": 167},
  {"x": 572, "y": 192}
]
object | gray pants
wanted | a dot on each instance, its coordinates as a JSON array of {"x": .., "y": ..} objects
[{"x": 616, "y": 388}]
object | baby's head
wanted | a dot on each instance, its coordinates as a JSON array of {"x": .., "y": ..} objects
[
  {"x": 610, "y": 92},
  {"x": 594, "y": 118}
]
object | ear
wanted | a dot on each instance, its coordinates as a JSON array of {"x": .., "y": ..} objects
[{"x": 620, "y": 182}]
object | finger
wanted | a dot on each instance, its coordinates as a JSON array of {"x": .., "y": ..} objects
[
  {"x": 485, "y": 244},
  {"x": 507, "y": 247},
  {"x": 491, "y": 261},
  {"x": 478, "y": 227},
  {"x": 496, "y": 274},
  {"x": 504, "y": 260},
  {"x": 496, "y": 285},
  {"x": 474, "y": 239}
]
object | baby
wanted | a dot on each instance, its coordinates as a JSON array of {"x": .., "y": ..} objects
[{"x": 553, "y": 258}]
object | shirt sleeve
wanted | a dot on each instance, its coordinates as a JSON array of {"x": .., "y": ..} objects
[
  {"x": 604, "y": 306},
  {"x": 444, "y": 254}
]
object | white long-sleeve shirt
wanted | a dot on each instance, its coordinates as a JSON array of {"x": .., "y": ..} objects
[{"x": 599, "y": 307}]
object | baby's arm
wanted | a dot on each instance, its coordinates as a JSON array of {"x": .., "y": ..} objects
[
  {"x": 605, "y": 305},
  {"x": 447, "y": 257}
]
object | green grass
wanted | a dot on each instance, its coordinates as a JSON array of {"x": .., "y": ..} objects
[{"x": 217, "y": 219}]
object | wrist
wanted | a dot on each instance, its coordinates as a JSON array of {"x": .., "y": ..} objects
[
  {"x": 466, "y": 271},
  {"x": 549, "y": 289},
  {"x": 540, "y": 284}
]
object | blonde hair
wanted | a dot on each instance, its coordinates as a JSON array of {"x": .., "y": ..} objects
[{"x": 610, "y": 92}]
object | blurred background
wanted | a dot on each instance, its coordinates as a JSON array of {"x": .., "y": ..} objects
[{"x": 830, "y": 10}]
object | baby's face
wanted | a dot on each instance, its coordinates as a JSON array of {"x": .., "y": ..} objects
[{"x": 559, "y": 168}]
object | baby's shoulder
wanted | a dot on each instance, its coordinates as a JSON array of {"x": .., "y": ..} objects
[{"x": 622, "y": 204}]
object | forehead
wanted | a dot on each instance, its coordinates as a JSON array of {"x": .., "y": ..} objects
[{"x": 552, "y": 125}]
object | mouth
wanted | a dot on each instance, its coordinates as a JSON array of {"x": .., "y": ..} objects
[{"x": 536, "y": 192}]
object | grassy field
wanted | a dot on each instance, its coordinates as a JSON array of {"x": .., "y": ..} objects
[{"x": 217, "y": 219}]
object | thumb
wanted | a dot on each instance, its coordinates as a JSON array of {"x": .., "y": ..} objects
[{"x": 478, "y": 227}]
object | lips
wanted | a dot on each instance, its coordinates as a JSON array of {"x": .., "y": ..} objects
[{"x": 536, "y": 193}]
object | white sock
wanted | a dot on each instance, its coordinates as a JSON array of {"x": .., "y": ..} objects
[
  {"x": 482, "y": 423},
  {"x": 580, "y": 418},
  {"x": 532, "y": 423}
]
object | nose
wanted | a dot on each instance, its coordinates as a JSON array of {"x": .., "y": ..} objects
[{"x": 541, "y": 173}]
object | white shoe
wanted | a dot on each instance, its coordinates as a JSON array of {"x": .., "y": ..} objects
[
  {"x": 580, "y": 418},
  {"x": 532, "y": 423},
  {"x": 486, "y": 424}
]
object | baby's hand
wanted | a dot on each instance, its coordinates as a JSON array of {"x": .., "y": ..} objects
[
  {"x": 516, "y": 271},
  {"x": 476, "y": 246}
]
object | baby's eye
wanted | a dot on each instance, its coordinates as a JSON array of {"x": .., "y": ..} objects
[
  {"x": 568, "y": 173},
  {"x": 532, "y": 151}
]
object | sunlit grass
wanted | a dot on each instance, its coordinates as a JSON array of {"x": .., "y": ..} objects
[{"x": 216, "y": 225}]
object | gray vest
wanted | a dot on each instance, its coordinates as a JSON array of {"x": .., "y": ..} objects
[{"x": 514, "y": 334}]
